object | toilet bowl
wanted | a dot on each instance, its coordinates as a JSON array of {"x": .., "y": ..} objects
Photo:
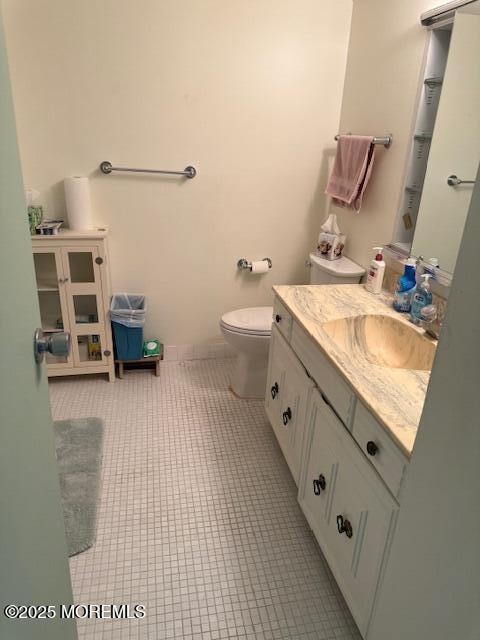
[{"x": 248, "y": 332}]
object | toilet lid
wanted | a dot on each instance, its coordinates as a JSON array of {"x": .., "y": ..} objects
[{"x": 251, "y": 320}]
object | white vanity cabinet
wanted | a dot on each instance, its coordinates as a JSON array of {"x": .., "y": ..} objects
[
  {"x": 288, "y": 392},
  {"x": 348, "y": 470}
]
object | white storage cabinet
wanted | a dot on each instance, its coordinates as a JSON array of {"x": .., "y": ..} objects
[{"x": 73, "y": 287}]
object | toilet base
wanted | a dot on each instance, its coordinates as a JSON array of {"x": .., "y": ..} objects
[{"x": 249, "y": 377}]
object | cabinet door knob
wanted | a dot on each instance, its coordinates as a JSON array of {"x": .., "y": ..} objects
[
  {"x": 99, "y": 260},
  {"x": 274, "y": 390},
  {"x": 287, "y": 415},
  {"x": 107, "y": 353},
  {"x": 278, "y": 318},
  {"x": 319, "y": 485},
  {"x": 344, "y": 526},
  {"x": 372, "y": 448}
]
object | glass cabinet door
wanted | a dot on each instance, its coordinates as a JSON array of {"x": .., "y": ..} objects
[
  {"x": 85, "y": 305},
  {"x": 51, "y": 296}
]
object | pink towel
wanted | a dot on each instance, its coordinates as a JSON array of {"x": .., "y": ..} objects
[{"x": 351, "y": 171}]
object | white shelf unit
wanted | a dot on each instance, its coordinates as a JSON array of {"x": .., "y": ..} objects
[
  {"x": 424, "y": 125},
  {"x": 73, "y": 287}
]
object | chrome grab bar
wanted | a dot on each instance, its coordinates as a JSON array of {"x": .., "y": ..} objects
[{"x": 106, "y": 167}]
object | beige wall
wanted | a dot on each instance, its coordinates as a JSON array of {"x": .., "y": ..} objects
[
  {"x": 248, "y": 92},
  {"x": 385, "y": 59}
]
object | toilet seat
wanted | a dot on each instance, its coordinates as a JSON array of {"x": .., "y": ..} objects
[{"x": 250, "y": 321}]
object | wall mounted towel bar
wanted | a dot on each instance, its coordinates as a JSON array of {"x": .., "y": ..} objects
[
  {"x": 386, "y": 141},
  {"x": 453, "y": 181},
  {"x": 188, "y": 172}
]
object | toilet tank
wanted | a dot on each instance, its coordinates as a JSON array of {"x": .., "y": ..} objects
[{"x": 341, "y": 271}]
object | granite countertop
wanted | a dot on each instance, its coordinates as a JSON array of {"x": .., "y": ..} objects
[{"x": 394, "y": 396}]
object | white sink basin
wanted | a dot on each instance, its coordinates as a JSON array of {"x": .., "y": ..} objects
[{"x": 382, "y": 340}]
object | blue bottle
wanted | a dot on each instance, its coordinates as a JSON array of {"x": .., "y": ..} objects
[{"x": 406, "y": 285}]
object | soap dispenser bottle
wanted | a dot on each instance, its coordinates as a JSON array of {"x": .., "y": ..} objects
[
  {"x": 402, "y": 297},
  {"x": 421, "y": 298},
  {"x": 376, "y": 271}
]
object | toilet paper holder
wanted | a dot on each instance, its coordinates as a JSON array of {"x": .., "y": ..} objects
[{"x": 243, "y": 263}]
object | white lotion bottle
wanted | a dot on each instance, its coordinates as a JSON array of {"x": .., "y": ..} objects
[{"x": 376, "y": 271}]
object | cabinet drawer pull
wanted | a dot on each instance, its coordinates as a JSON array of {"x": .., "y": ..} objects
[
  {"x": 287, "y": 415},
  {"x": 278, "y": 318},
  {"x": 319, "y": 485},
  {"x": 274, "y": 390},
  {"x": 372, "y": 448},
  {"x": 344, "y": 526}
]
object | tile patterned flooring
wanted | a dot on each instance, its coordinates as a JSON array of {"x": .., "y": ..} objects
[{"x": 198, "y": 519}]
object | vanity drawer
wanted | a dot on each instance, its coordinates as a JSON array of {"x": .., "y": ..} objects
[
  {"x": 330, "y": 383},
  {"x": 282, "y": 319},
  {"x": 379, "y": 449}
]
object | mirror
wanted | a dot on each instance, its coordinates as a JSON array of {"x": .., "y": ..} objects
[
  {"x": 433, "y": 212},
  {"x": 455, "y": 147}
]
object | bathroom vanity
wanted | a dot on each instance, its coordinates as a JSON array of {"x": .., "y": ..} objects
[{"x": 346, "y": 384}]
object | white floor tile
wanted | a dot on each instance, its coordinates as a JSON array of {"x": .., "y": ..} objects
[{"x": 198, "y": 517}]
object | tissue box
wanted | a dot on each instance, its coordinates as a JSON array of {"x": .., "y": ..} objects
[{"x": 330, "y": 245}]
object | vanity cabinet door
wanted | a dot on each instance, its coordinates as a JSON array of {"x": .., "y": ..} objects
[
  {"x": 275, "y": 384},
  {"x": 359, "y": 528},
  {"x": 318, "y": 475},
  {"x": 354, "y": 523},
  {"x": 287, "y": 394},
  {"x": 297, "y": 388}
]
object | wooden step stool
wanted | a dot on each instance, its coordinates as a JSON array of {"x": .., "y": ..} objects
[{"x": 138, "y": 364}]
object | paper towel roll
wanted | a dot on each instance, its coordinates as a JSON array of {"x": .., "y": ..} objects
[
  {"x": 79, "y": 208},
  {"x": 260, "y": 266}
]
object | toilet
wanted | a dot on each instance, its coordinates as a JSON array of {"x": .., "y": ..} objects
[{"x": 248, "y": 330}]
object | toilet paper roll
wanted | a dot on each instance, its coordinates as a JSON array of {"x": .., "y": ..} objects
[
  {"x": 77, "y": 198},
  {"x": 260, "y": 266}
]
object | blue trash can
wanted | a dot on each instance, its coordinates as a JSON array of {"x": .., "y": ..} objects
[
  {"x": 127, "y": 342},
  {"x": 127, "y": 313}
]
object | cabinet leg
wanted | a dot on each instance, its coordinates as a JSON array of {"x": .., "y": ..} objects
[
  {"x": 157, "y": 368},
  {"x": 120, "y": 370}
]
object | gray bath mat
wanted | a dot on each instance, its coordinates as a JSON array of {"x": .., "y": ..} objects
[{"x": 78, "y": 444}]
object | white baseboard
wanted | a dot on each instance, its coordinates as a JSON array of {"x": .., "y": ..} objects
[{"x": 182, "y": 352}]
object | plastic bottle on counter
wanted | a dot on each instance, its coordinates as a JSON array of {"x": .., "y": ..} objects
[
  {"x": 406, "y": 285},
  {"x": 376, "y": 271}
]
